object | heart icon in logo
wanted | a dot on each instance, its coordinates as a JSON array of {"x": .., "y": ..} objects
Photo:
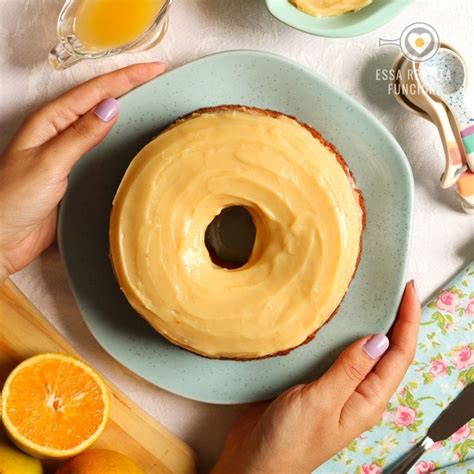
[{"x": 420, "y": 42}]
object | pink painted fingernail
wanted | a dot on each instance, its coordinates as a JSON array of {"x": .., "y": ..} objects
[
  {"x": 376, "y": 346},
  {"x": 107, "y": 109}
]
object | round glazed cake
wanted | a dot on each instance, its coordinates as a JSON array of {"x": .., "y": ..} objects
[{"x": 307, "y": 213}]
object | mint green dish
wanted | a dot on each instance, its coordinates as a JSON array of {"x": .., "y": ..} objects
[
  {"x": 347, "y": 25},
  {"x": 266, "y": 81}
]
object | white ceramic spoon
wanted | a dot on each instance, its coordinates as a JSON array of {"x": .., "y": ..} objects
[
  {"x": 444, "y": 78},
  {"x": 428, "y": 109},
  {"x": 416, "y": 94}
]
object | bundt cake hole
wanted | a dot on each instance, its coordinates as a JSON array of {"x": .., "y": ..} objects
[{"x": 230, "y": 237}]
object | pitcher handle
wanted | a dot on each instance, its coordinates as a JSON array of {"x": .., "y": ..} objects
[{"x": 61, "y": 58}]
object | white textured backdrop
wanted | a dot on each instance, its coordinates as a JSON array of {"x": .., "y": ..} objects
[{"x": 443, "y": 237}]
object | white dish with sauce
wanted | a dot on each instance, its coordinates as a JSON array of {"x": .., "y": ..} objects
[{"x": 344, "y": 25}]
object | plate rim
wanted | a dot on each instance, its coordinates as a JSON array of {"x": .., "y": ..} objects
[
  {"x": 401, "y": 159},
  {"x": 349, "y": 31}
]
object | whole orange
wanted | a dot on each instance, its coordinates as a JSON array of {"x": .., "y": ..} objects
[{"x": 100, "y": 461}]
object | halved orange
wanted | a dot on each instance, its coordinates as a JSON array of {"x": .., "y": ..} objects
[{"x": 54, "y": 406}]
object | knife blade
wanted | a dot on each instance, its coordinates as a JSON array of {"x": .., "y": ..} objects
[{"x": 458, "y": 413}]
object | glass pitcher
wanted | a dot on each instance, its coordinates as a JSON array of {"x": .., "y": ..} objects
[{"x": 91, "y": 29}]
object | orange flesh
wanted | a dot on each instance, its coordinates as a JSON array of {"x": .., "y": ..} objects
[{"x": 55, "y": 404}]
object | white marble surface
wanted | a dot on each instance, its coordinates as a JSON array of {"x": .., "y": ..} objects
[{"x": 443, "y": 237}]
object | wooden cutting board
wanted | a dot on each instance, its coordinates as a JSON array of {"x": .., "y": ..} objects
[{"x": 25, "y": 332}]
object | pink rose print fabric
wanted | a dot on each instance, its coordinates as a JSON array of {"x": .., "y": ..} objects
[
  {"x": 470, "y": 308},
  {"x": 404, "y": 416},
  {"x": 461, "y": 434},
  {"x": 424, "y": 466},
  {"x": 443, "y": 367},
  {"x": 371, "y": 469},
  {"x": 438, "y": 368},
  {"x": 448, "y": 301},
  {"x": 464, "y": 357}
]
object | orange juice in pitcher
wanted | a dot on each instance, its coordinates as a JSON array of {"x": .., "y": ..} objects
[
  {"x": 111, "y": 23},
  {"x": 91, "y": 29}
]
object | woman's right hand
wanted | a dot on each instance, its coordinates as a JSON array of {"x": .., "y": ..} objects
[{"x": 308, "y": 424}]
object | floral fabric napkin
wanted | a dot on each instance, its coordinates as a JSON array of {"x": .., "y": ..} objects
[{"x": 443, "y": 366}]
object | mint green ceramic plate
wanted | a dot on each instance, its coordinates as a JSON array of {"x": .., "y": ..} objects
[
  {"x": 261, "y": 80},
  {"x": 343, "y": 26}
]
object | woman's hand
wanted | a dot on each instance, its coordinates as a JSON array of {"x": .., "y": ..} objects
[
  {"x": 308, "y": 424},
  {"x": 35, "y": 166}
]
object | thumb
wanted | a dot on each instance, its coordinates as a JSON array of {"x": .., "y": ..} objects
[
  {"x": 81, "y": 136},
  {"x": 352, "y": 366}
]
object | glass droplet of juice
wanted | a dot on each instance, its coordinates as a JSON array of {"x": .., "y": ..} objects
[{"x": 108, "y": 24}]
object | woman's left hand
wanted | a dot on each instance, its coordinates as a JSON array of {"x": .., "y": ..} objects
[{"x": 35, "y": 166}]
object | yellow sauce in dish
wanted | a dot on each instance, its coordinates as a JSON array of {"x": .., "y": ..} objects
[
  {"x": 323, "y": 8},
  {"x": 308, "y": 223}
]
